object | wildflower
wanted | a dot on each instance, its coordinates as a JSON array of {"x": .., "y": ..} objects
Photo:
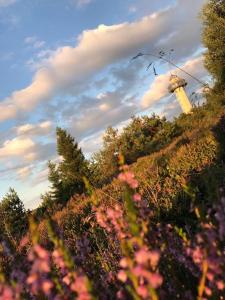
[
  {"x": 142, "y": 256},
  {"x": 80, "y": 287},
  {"x": 210, "y": 276},
  {"x": 155, "y": 280},
  {"x": 142, "y": 291},
  {"x": 120, "y": 295},
  {"x": 67, "y": 279},
  {"x": 32, "y": 278},
  {"x": 128, "y": 177},
  {"x": 208, "y": 291},
  {"x": 220, "y": 285},
  {"x": 6, "y": 293},
  {"x": 122, "y": 276},
  {"x": 154, "y": 258},
  {"x": 47, "y": 285},
  {"x": 197, "y": 255},
  {"x": 137, "y": 197},
  {"x": 24, "y": 241},
  {"x": 41, "y": 252},
  {"x": 58, "y": 259},
  {"x": 123, "y": 263}
]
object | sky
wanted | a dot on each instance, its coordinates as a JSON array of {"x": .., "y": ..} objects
[{"x": 68, "y": 63}]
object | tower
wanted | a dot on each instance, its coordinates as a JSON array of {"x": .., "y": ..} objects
[{"x": 177, "y": 85}]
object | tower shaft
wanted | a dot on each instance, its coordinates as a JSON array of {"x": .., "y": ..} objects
[
  {"x": 183, "y": 100},
  {"x": 176, "y": 86}
]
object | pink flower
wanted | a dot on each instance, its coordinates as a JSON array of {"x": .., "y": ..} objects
[
  {"x": 47, "y": 286},
  {"x": 24, "y": 242},
  {"x": 137, "y": 197},
  {"x": 6, "y": 293},
  {"x": 41, "y": 252},
  {"x": 154, "y": 257},
  {"x": 80, "y": 286},
  {"x": 123, "y": 263},
  {"x": 128, "y": 177},
  {"x": 142, "y": 256},
  {"x": 67, "y": 279},
  {"x": 155, "y": 280},
  {"x": 122, "y": 276},
  {"x": 41, "y": 265},
  {"x": 208, "y": 291},
  {"x": 210, "y": 276},
  {"x": 220, "y": 285},
  {"x": 32, "y": 278},
  {"x": 58, "y": 259},
  {"x": 142, "y": 291},
  {"x": 120, "y": 295},
  {"x": 197, "y": 255}
]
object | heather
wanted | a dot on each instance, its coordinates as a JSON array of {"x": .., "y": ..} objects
[{"x": 143, "y": 219}]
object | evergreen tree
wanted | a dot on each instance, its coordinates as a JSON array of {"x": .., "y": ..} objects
[
  {"x": 67, "y": 176},
  {"x": 104, "y": 165},
  {"x": 142, "y": 136},
  {"x": 214, "y": 40},
  {"x": 57, "y": 192},
  {"x": 14, "y": 221}
]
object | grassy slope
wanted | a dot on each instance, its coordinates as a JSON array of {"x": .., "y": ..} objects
[{"x": 189, "y": 169}]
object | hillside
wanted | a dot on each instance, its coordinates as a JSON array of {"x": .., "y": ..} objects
[
  {"x": 144, "y": 219},
  {"x": 180, "y": 186}
]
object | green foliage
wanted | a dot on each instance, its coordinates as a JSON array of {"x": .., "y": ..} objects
[
  {"x": 104, "y": 164},
  {"x": 142, "y": 136},
  {"x": 46, "y": 207},
  {"x": 214, "y": 39},
  {"x": 67, "y": 176},
  {"x": 14, "y": 222}
]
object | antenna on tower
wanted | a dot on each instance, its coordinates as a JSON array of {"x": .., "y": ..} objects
[{"x": 162, "y": 55}]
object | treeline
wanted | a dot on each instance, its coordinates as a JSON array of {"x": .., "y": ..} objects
[{"x": 143, "y": 136}]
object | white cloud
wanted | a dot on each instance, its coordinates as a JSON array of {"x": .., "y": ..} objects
[
  {"x": 25, "y": 172},
  {"x": 69, "y": 67},
  {"x": 18, "y": 146},
  {"x": 159, "y": 87},
  {"x": 4, "y": 3},
  {"x": 95, "y": 114},
  {"x": 34, "y": 42},
  {"x": 33, "y": 130}
]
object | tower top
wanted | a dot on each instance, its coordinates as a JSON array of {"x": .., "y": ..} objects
[{"x": 176, "y": 82}]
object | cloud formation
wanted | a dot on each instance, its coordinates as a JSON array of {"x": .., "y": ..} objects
[
  {"x": 34, "y": 42},
  {"x": 42, "y": 128},
  {"x": 68, "y": 67},
  {"x": 18, "y": 146}
]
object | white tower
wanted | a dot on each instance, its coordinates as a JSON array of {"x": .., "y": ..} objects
[{"x": 177, "y": 85}]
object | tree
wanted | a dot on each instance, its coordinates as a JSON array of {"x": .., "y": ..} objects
[
  {"x": 13, "y": 216},
  {"x": 136, "y": 139},
  {"x": 104, "y": 164},
  {"x": 142, "y": 136},
  {"x": 67, "y": 176},
  {"x": 214, "y": 40}
]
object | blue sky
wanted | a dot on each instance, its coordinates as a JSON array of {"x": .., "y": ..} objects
[{"x": 67, "y": 63}]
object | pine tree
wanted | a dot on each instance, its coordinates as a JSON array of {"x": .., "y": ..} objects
[
  {"x": 214, "y": 40},
  {"x": 57, "y": 192},
  {"x": 14, "y": 219},
  {"x": 67, "y": 176},
  {"x": 104, "y": 165}
]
